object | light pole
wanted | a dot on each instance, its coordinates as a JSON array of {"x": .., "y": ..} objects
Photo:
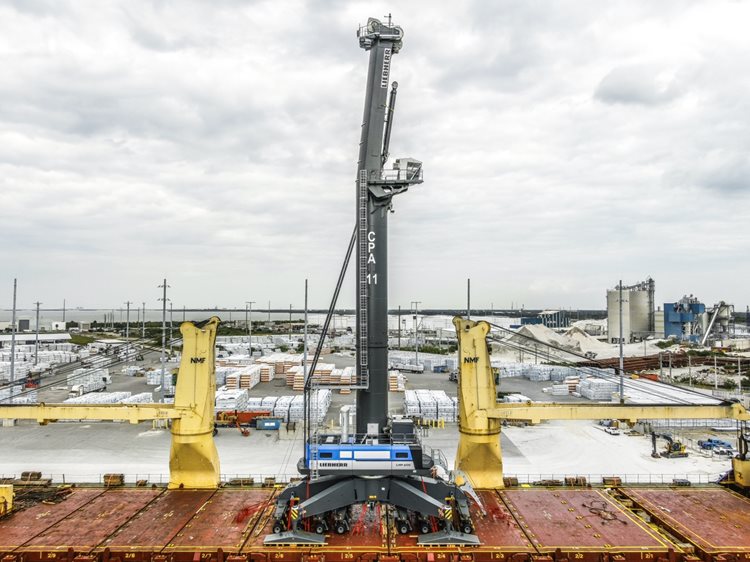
[
  {"x": 36, "y": 339},
  {"x": 163, "y": 300},
  {"x": 416, "y": 304},
  {"x": 622, "y": 359},
  {"x": 171, "y": 324},
  {"x": 249, "y": 324},
  {"x": 399, "y": 326},
  {"x": 127, "y": 333},
  {"x": 13, "y": 339},
  {"x": 143, "y": 322}
]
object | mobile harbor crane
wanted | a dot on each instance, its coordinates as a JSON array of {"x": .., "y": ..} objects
[
  {"x": 480, "y": 416},
  {"x": 382, "y": 462},
  {"x": 193, "y": 458}
]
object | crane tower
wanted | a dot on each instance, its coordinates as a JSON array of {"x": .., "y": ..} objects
[{"x": 375, "y": 188}]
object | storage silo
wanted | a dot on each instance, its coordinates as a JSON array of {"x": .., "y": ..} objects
[
  {"x": 640, "y": 313},
  {"x": 613, "y": 315}
]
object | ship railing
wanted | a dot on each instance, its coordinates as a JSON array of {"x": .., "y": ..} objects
[
  {"x": 366, "y": 439},
  {"x": 281, "y": 479}
]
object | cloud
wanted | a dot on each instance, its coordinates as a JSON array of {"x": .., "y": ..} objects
[
  {"x": 639, "y": 85},
  {"x": 565, "y": 145}
]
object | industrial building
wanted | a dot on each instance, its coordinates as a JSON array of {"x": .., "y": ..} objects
[
  {"x": 638, "y": 312},
  {"x": 689, "y": 320},
  {"x": 549, "y": 318}
]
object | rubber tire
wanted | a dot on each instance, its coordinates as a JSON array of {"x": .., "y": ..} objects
[
  {"x": 277, "y": 528},
  {"x": 340, "y": 529},
  {"x": 320, "y": 529},
  {"x": 467, "y": 529},
  {"x": 424, "y": 528},
  {"x": 403, "y": 528}
]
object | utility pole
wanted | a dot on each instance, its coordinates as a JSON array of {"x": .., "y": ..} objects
[
  {"x": 304, "y": 344},
  {"x": 622, "y": 359},
  {"x": 163, "y": 300},
  {"x": 36, "y": 339},
  {"x": 716, "y": 374},
  {"x": 670, "y": 367},
  {"x": 416, "y": 331},
  {"x": 171, "y": 324},
  {"x": 399, "y": 326},
  {"x": 13, "y": 340},
  {"x": 249, "y": 324},
  {"x": 468, "y": 299},
  {"x": 127, "y": 333},
  {"x": 64, "y": 325},
  {"x": 290, "y": 324},
  {"x": 739, "y": 375},
  {"x": 143, "y": 322}
]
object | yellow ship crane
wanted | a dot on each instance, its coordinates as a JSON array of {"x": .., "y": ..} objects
[
  {"x": 193, "y": 458},
  {"x": 480, "y": 416}
]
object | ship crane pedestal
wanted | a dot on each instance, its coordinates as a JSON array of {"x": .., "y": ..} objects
[{"x": 380, "y": 463}]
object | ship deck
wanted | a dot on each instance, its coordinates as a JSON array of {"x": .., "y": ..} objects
[
  {"x": 714, "y": 521},
  {"x": 586, "y": 524}
]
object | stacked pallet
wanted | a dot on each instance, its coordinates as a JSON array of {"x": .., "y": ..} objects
[
  {"x": 140, "y": 398},
  {"x": 430, "y": 405},
  {"x": 231, "y": 399},
  {"x": 99, "y": 398},
  {"x": 323, "y": 375},
  {"x": 282, "y": 362},
  {"x": 396, "y": 381},
  {"x": 281, "y": 407},
  {"x": 244, "y": 377},
  {"x": 411, "y": 403},
  {"x": 17, "y": 395},
  {"x": 268, "y": 403},
  {"x": 597, "y": 389},
  {"x": 560, "y": 390},
  {"x": 89, "y": 380},
  {"x": 267, "y": 372}
]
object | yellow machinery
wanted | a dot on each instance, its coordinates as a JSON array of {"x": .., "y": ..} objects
[
  {"x": 193, "y": 458},
  {"x": 480, "y": 416},
  {"x": 6, "y": 499}
]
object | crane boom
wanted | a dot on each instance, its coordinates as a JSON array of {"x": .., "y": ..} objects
[
  {"x": 480, "y": 416},
  {"x": 551, "y": 411},
  {"x": 133, "y": 413},
  {"x": 193, "y": 458}
]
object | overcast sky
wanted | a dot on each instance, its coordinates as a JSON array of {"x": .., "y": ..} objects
[{"x": 566, "y": 145}]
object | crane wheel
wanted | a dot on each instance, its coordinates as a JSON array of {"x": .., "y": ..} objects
[{"x": 277, "y": 528}]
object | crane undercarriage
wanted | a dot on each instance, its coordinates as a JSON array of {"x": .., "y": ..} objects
[{"x": 436, "y": 509}]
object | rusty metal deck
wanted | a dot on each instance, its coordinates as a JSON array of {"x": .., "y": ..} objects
[
  {"x": 138, "y": 524},
  {"x": 579, "y": 522},
  {"x": 715, "y": 520}
]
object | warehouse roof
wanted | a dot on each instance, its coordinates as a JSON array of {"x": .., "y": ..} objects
[{"x": 24, "y": 337}]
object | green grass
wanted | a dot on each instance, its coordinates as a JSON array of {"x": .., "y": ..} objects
[{"x": 78, "y": 339}]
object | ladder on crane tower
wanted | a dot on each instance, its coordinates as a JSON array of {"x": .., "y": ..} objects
[
  {"x": 362, "y": 267},
  {"x": 313, "y": 398}
]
